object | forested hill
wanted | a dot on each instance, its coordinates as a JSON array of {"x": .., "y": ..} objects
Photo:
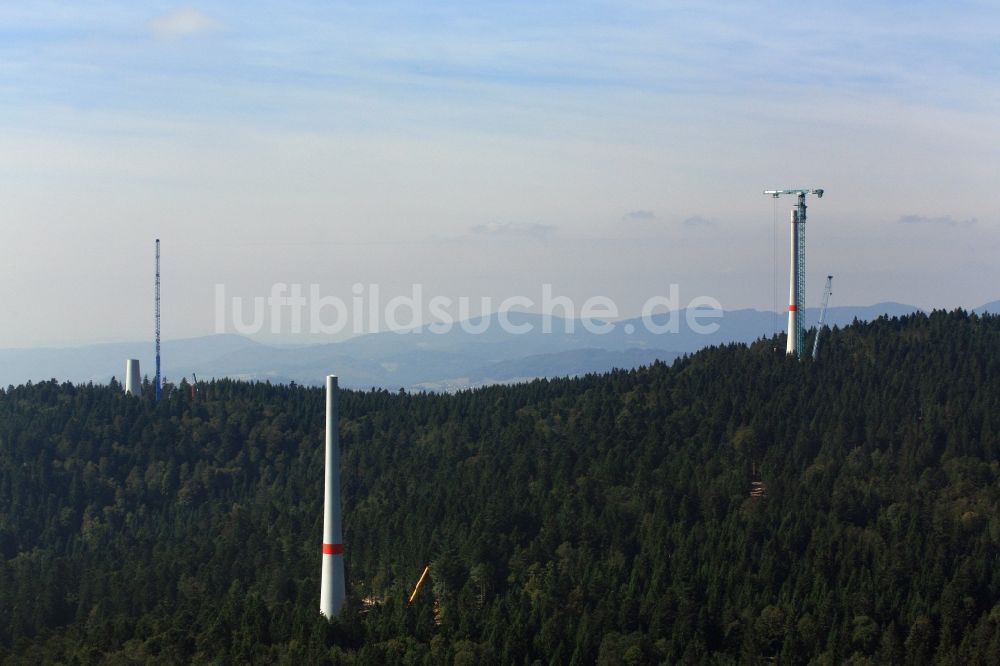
[{"x": 604, "y": 519}]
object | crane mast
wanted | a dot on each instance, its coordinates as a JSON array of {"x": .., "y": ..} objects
[
  {"x": 827, "y": 292},
  {"x": 157, "y": 296}
]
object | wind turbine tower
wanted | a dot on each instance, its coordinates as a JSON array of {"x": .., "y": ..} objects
[
  {"x": 331, "y": 595},
  {"x": 797, "y": 271},
  {"x": 133, "y": 381}
]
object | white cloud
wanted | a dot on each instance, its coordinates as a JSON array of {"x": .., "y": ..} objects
[
  {"x": 183, "y": 22},
  {"x": 532, "y": 230},
  {"x": 698, "y": 222},
  {"x": 639, "y": 215},
  {"x": 943, "y": 221}
]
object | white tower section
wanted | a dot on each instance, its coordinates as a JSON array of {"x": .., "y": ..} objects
[
  {"x": 793, "y": 288},
  {"x": 797, "y": 272},
  {"x": 331, "y": 596},
  {"x": 133, "y": 381}
]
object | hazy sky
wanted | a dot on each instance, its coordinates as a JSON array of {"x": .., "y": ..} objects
[{"x": 486, "y": 148}]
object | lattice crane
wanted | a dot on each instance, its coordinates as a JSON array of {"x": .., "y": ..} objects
[{"x": 827, "y": 292}]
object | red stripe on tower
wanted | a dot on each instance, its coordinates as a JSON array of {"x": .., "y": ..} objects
[
  {"x": 333, "y": 549},
  {"x": 792, "y": 308}
]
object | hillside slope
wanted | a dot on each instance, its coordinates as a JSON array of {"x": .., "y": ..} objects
[{"x": 602, "y": 519}]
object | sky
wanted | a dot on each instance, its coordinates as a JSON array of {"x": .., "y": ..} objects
[{"x": 484, "y": 149}]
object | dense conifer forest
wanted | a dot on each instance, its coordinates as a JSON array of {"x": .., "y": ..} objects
[{"x": 605, "y": 519}]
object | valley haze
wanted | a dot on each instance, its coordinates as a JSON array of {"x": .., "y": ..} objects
[{"x": 418, "y": 360}]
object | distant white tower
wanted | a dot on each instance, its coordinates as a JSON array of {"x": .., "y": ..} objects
[
  {"x": 331, "y": 596},
  {"x": 133, "y": 382}
]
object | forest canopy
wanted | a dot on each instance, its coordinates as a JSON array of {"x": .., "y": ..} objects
[{"x": 603, "y": 519}]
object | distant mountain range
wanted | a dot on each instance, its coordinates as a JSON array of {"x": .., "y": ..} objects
[{"x": 421, "y": 359}]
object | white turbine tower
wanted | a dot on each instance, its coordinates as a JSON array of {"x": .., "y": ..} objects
[
  {"x": 331, "y": 597},
  {"x": 797, "y": 271},
  {"x": 133, "y": 381}
]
